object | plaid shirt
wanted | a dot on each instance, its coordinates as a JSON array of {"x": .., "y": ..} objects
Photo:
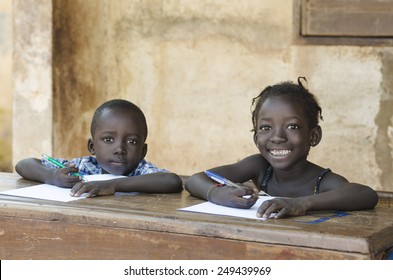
[{"x": 88, "y": 165}]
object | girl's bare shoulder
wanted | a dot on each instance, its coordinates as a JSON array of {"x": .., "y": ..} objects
[
  {"x": 254, "y": 161},
  {"x": 256, "y": 165},
  {"x": 332, "y": 181}
]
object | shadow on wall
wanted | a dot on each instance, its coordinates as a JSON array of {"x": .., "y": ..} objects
[
  {"x": 6, "y": 86},
  {"x": 5, "y": 142}
]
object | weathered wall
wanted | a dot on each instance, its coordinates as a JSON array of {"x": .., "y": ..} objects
[
  {"x": 5, "y": 85},
  {"x": 194, "y": 66},
  {"x": 32, "y": 78}
]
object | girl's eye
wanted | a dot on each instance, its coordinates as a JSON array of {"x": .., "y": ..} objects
[
  {"x": 107, "y": 139},
  {"x": 132, "y": 141},
  {"x": 264, "y": 127},
  {"x": 293, "y": 126}
]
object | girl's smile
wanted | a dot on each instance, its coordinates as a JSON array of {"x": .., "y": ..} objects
[
  {"x": 283, "y": 134},
  {"x": 279, "y": 153}
]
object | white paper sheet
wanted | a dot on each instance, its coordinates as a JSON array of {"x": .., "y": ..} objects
[
  {"x": 51, "y": 192},
  {"x": 43, "y": 191},
  {"x": 211, "y": 208}
]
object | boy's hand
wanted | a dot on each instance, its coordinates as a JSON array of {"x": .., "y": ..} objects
[
  {"x": 283, "y": 207},
  {"x": 62, "y": 177},
  {"x": 93, "y": 188},
  {"x": 233, "y": 197}
]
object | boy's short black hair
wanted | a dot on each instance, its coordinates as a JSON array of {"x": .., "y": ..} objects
[{"x": 117, "y": 104}]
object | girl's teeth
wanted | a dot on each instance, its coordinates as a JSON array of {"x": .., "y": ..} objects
[{"x": 280, "y": 152}]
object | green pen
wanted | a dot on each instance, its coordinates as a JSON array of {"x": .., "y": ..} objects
[{"x": 55, "y": 162}]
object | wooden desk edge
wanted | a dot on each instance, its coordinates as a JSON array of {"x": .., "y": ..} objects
[{"x": 208, "y": 229}]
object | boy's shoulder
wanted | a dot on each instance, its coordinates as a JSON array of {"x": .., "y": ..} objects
[
  {"x": 80, "y": 161},
  {"x": 87, "y": 165},
  {"x": 145, "y": 167}
]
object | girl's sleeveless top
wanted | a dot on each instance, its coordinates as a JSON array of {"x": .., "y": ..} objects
[{"x": 269, "y": 173}]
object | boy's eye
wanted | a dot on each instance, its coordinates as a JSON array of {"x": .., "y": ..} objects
[
  {"x": 264, "y": 127},
  {"x": 293, "y": 126},
  {"x": 132, "y": 141}
]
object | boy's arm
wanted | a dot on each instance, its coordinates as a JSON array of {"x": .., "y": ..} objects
[
  {"x": 32, "y": 169},
  {"x": 160, "y": 182}
]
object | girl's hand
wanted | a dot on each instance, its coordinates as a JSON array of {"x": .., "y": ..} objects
[
  {"x": 93, "y": 188},
  {"x": 233, "y": 197},
  {"x": 284, "y": 207},
  {"x": 62, "y": 177}
]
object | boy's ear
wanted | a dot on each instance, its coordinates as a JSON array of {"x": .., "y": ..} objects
[
  {"x": 90, "y": 146},
  {"x": 316, "y": 136},
  {"x": 144, "y": 151}
]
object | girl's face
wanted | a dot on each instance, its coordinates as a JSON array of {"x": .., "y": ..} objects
[
  {"x": 118, "y": 141},
  {"x": 283, "y": 135}
]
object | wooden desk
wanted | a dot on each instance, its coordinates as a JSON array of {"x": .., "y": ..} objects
[{"x": 148, "y": 226}]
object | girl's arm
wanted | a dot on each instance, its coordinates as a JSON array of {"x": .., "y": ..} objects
[
  {"x": 337, "y": 193},
  {"x": 199, "y": 185},
  {"x": 351, "y": 196},
  {"x": 160, "y": 182},
  {"x": 32, "y": 169},
  {"x": 346, "y": 197}
]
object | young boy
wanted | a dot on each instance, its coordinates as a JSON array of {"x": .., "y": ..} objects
[{"x": 117, "y": 145}]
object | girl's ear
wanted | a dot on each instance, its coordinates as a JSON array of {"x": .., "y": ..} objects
[
  {"x": 256, "y": 139},
  {"x": 316, "y": 136},
  {"x": 90, "y": 146},
  {"x": 144, "y": 151}
]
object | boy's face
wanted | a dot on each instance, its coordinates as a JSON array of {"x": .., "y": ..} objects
[
  {"x": 283, "y": 134},
  {"x": 118, "y": 141}
]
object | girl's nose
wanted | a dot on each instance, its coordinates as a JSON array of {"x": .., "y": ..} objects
[{"x": 278, "y": 136}]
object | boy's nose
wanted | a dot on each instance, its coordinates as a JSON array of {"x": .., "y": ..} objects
[{"x": 120, "y": 149}]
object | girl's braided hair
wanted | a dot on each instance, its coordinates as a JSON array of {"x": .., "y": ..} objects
[{"x": 296, "y": 93}]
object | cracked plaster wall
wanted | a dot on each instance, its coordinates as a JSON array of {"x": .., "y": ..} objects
[{"x": 194, "y": 66}]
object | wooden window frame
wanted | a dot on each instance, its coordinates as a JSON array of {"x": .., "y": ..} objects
[{"x": 322, "y": 39}]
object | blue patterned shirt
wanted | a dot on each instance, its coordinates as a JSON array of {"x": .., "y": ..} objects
[{"x": 88, "y": 165}]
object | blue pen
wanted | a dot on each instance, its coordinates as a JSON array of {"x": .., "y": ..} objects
[
  {"x": 55, "y": 162},
  {"x": 222, "y": 180}
]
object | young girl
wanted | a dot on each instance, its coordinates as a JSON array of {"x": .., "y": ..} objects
[{"x": 285, "y": 125}]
